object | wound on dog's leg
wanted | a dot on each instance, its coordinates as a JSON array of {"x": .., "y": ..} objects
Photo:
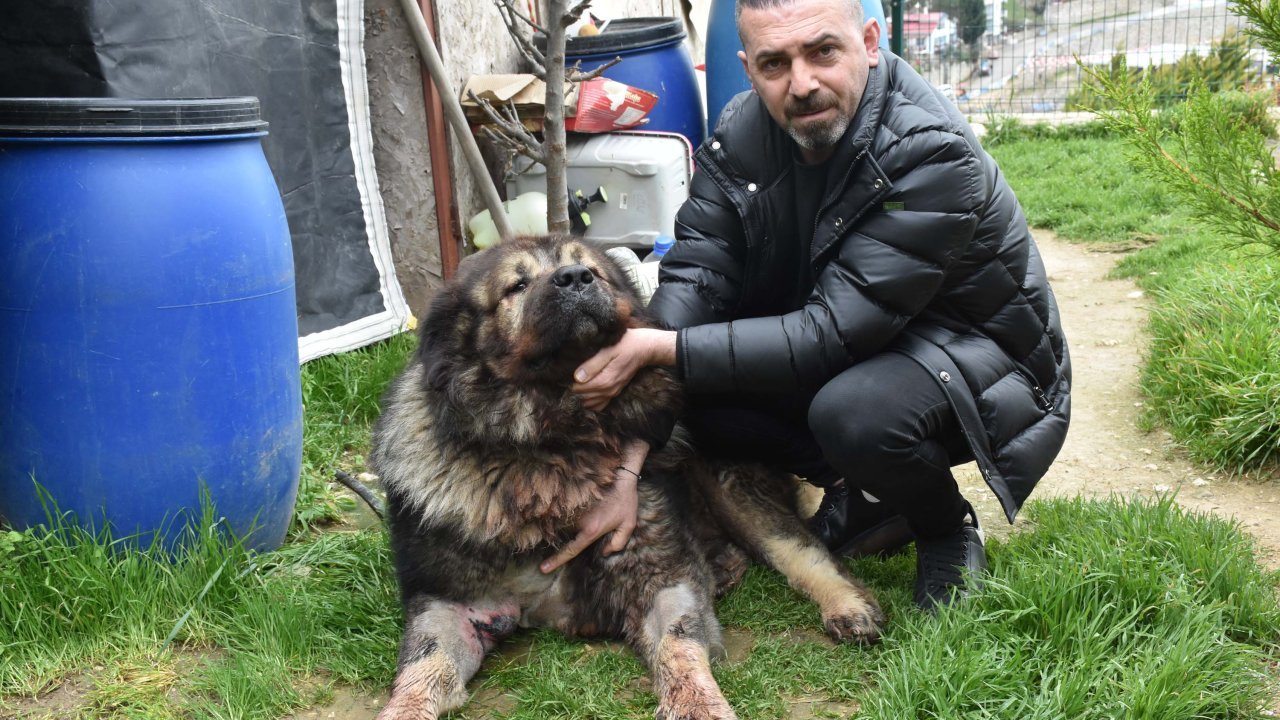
[
  {"x": 442, "y": 648},
  {"x": 679, "y": 633}
]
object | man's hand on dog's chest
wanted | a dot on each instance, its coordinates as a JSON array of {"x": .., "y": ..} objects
[{"x": 615, "y": 513}]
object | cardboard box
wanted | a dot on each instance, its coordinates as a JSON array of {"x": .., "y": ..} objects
[
  {"x": 527, "y": 92},
  {"x": 598, "y": 105}
]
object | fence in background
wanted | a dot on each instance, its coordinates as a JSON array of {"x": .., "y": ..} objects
[{"x": 1025, "y": 60}]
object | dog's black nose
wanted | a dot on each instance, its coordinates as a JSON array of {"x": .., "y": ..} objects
[{"x": 572, "y": 277}]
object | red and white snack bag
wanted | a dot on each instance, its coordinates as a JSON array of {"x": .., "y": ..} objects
[{"x": 606, "y": 105}]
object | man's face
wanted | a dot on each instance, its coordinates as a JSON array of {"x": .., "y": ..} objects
[{"x": 808, "y": 61}]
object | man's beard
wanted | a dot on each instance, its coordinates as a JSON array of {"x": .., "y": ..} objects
[{"x": 817, "y": 135}]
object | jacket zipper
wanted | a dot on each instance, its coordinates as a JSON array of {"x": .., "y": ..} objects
[
  {"x": 847, "y": 173},
  {"x": 1042, "y": 399}
]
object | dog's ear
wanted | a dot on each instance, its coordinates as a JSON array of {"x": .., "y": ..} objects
[{"x": 438, "y": 341}]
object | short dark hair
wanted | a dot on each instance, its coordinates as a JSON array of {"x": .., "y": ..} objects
[{"x": 740, "y": 5}]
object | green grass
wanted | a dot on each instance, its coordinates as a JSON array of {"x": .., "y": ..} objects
[
  {"x": 1084, "y": 189},
  {"x": 1104, "y": 610},
  {"x": 1212, "y": 373},
  {"x": 252, "y": 631},
  {"x": 1125, "y": 609},
  {"x": 1213, "y": 370},
  {"x": 259, "y": 636},
  {"x": 341, "y": 395}
]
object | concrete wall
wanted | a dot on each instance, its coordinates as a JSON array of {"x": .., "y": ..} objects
[
  {"x": 400, "y": 149},
  {"x": 473, "y": 41}
]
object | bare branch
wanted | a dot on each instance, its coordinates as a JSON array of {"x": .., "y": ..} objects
[
  {"x": 512, "y": 19},
  {"x": 574, "y": 13},
  {"x": 517, "y": 128},
  {"x": 532, "y": 55},
  {"x": 509, "y": 127},
  {"x": 509, "y": 6},
  {"x": 512, "y": 146},
  {"x": 573, "y": 74},
  {"x": 487, "y": 107}
]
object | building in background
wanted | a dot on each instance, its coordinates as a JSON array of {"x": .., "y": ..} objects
[
  {"x": 995, "y": 20},
  {"x": 928, "y": 33}
]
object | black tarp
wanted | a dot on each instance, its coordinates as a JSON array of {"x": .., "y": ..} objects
[{"x": 303, "y": 60}]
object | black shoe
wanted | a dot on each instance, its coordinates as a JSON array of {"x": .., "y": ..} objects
[
  {"x": 828, "y": 523},
  {"x": 888, "y": 537},
  {"x": 950, "y": 567},
  {"x": 852, "y": 526}
]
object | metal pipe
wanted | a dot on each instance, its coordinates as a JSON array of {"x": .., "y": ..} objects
[{"x": 895, "y": 40}]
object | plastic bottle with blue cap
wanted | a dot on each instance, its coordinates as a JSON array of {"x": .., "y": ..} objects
[{"x": 661, "y": 245}]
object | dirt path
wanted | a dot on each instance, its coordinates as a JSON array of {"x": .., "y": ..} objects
[{"x": 1105, "y": 452}]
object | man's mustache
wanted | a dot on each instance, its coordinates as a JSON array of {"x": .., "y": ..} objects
[{"x": 811, "y": 104}]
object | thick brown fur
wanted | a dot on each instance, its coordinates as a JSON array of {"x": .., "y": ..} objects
[{"x": 489, "y": 461}]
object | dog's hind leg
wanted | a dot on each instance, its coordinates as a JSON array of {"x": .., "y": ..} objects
[
  {"x": 443, "y": 645},
  {"x": 657, "y": 594},
  {"x": 676, "y": 639},
  {"x": 757, "y": 508}
]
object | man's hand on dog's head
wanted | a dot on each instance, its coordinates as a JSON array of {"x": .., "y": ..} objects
[
  {"x": 604, "y": 375},
  {"x": 615, "y": 513}
]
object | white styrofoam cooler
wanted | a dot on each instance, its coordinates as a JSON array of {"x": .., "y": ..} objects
[{"x": 645, "y": 174}]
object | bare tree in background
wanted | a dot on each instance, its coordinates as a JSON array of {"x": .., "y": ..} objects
[{"x": 509, "y": 132}]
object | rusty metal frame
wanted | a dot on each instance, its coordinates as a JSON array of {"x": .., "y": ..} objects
[{"x": 441, "y": 174}]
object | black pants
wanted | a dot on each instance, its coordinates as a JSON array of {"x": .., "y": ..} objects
[{"x": 884, "y": 426}]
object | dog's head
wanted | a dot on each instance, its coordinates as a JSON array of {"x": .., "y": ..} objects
[{"x": 527, "y": 311}]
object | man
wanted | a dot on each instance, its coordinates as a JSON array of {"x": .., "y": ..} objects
[{"x": 855, "y": 297}]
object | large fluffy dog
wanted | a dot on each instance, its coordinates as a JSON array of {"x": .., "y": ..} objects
[{"x": 489, "y": 461}]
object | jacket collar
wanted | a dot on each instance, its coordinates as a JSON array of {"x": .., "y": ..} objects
[{"x": 862, "y": 129}]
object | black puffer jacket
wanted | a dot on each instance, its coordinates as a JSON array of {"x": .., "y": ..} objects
[{"x": 920, "y": 247}]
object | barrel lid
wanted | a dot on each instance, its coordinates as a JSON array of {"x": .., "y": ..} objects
[
  {"x": 129, "y": 117},
  {"x": 622, "y": 35}
]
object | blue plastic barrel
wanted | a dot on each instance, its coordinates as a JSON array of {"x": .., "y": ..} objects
[
  {"x": 654, "y": 58},
  {"x": 147, "y": 317},
  {"x": 725, "y": 76}
]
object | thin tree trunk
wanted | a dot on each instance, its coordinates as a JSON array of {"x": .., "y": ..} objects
[{"x": 553, "y": 125}]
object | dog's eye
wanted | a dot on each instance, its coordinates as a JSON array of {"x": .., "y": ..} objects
[{"x": 519, "y": 286}]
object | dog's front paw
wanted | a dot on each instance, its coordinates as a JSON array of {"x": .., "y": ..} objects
[{"x": 858, "y": 622}]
